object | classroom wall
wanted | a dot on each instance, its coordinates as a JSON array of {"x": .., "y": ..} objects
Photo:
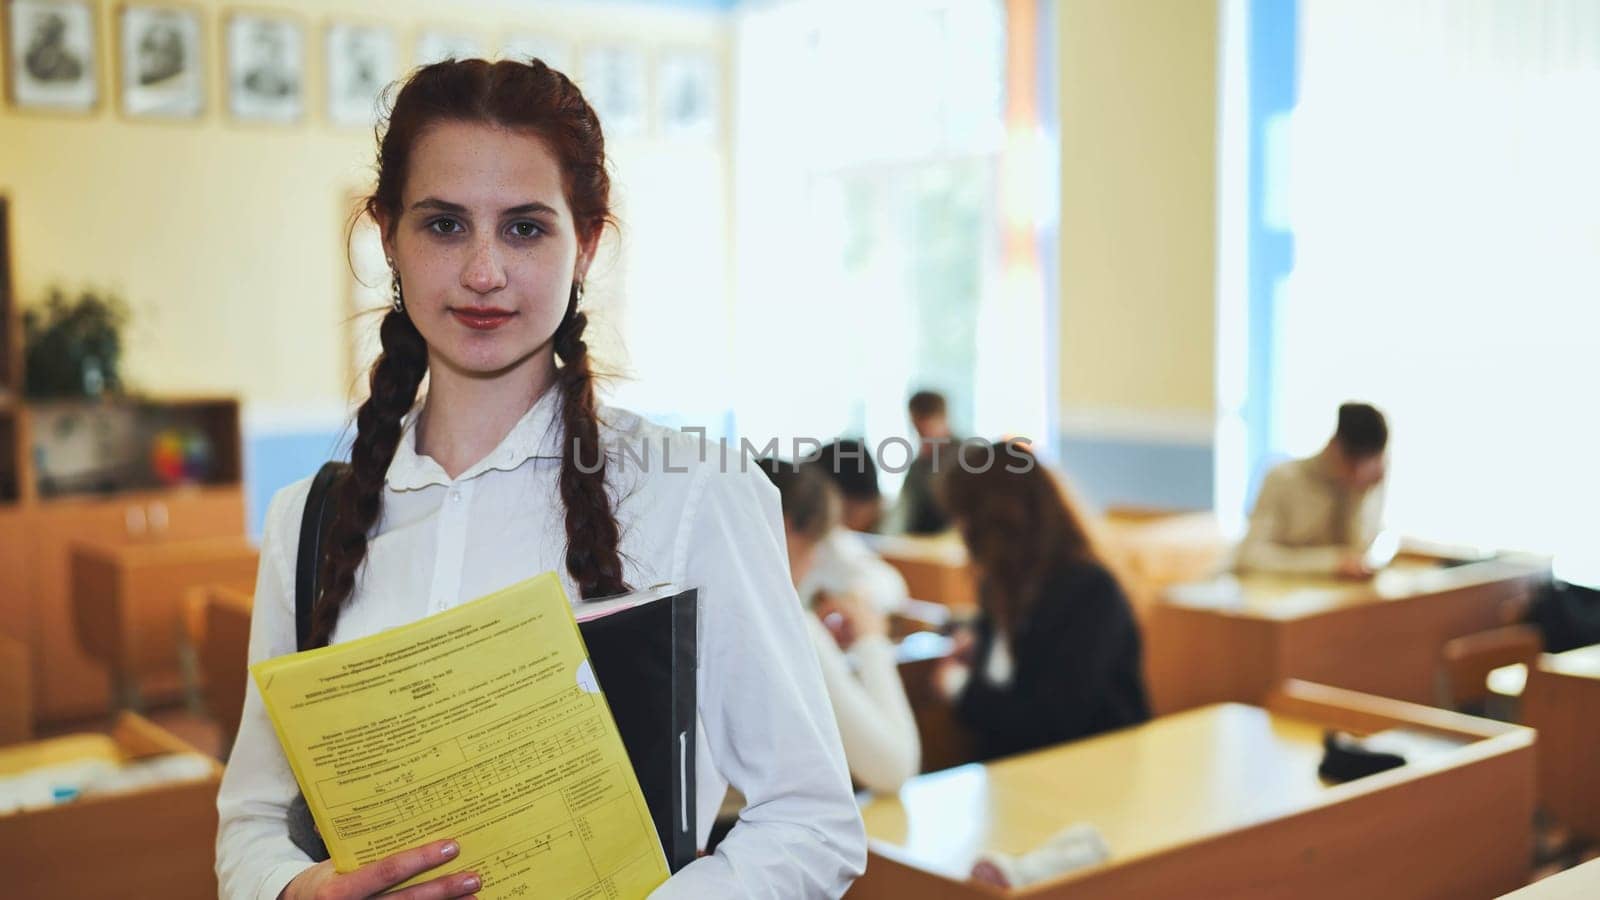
[
  {"x": 227, "y": 239},
  {"x": 1138, "y": 112}
]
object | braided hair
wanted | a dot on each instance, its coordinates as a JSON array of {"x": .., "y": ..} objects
[{"x": 527, "y": 96}]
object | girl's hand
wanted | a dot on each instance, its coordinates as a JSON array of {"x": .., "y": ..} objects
[
  {"x": 851, "y": 617},
  {"x": 321, "y": 882}
]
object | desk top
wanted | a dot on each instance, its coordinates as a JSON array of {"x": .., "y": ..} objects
[
  {"x": 944, "y": 548},
  {"x": 165, "y": 552},
  {"x": 1146, "y": 789},
  {"x": 1284, "y": 597},
  {"x": 1584, "y": 662}
]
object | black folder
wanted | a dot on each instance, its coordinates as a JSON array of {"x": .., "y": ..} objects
[{"x": 644, "y": 656}]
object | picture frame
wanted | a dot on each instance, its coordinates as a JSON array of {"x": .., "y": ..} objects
[
  {"x": 615, "y": 81},
  {"x": 437, "y": 44},
  {"x": 361, "y": 62},
  {"x": 688, "y": 94},
  {"x": 52, "y": 55},
  {"x": 266, "y": 56},
  {"x": 161, "y": 67}
]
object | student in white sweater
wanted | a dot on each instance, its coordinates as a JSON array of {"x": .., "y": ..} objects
[{"x": 858, "y": 661}]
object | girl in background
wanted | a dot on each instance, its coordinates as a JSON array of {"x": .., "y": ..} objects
[{"x": 1055, "y": 652}]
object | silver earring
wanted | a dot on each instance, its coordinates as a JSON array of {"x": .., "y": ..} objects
[
  {"x": 577, "y": 288},
  {"x": 395, "y": 300}
]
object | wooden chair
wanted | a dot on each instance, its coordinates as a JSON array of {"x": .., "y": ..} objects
[
  {"x": 1468, "y": 660},
  {"x": 16, "y": 692},
  {"x": 217, "y": 624}
]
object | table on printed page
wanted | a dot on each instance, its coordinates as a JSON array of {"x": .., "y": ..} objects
[
  {"x": 1560, "y": 699},
  {"x": 1225, "y": 801},
  {"x": 1233, "y": 638}
]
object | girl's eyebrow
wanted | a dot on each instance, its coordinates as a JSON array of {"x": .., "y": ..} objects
[{"x": 435, "y": 203}]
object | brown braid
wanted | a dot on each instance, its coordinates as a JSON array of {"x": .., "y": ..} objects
[
  {"x": 593, "y": 538},
  {"x": 358, "y": 497},
  {"x": 531, "y": 97}
]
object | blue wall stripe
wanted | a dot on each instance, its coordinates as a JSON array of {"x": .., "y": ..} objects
[
  {"x": 1162, "y": 474},
  {"x": 1274, "y": 90}
]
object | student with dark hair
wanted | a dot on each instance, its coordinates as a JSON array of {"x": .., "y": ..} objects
[
  {"x": 1056, "y": 653},
  {"x": 1320, "y": 515},
  {"x": 858, "y": 661},
  {"x": 842, "y": 562},
  {"x": 849, "y": 463},
  {"x": 917, "y": 509},
  {"x": 492, "y": 193}
]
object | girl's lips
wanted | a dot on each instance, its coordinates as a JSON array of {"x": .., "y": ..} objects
[{"x": 482, "y": 319}]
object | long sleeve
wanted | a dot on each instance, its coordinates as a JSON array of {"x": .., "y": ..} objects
[
  {"x": 875, "y": 721},
  {"x": 1076, "y": 671},
  {"x": 1263, "y": 551},
  {"x": 255, "y": 858},
  {"x": 767, "y": 723}
]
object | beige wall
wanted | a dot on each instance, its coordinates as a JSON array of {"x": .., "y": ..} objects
[
  {"x": 1138, "y": 159},
  {"x": 228, "y": 239}
]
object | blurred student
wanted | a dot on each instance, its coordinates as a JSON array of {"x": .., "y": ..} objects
[
  {"x": 841, "y": 561},
  {"x": 1320, "y": 515},
  {"x": 851, "y": 467},
  {"x": 875, "y": 722},
  {"x": 917, "y": 510},
  {"x": 1055, "y": 653}
]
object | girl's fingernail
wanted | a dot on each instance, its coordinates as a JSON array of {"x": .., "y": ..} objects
[
  {"x": 471, "y": 883},
  {"x": 449, "y": 850}
]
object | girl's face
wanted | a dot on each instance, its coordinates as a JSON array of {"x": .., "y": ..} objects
[{"x": 486, "y": 247}]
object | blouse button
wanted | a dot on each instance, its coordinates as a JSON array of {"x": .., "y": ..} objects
[{"x": 455, "y": 495}]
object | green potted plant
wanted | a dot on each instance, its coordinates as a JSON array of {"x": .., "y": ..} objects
[{"x": 74, "y": 348}]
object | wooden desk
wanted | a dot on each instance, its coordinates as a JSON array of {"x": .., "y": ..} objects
[
  {"x": 1561, "y": 700},
  {"x": 945, "y": 742},
  {"x": 128, "y": 605},
  {"x": 1147, "y": 552},
  {"x": 935, "y": 567},
  {"x": 16, "y": 692},
  {"x": 157, "y": 841},
  {"x": 1224, "y": 801},
  {"x": 1577, "y": 883},
  {"x": 218, "y": 623},
  {"x": 1233, "y": 638},
  {"x": 1151, "y": 551}
]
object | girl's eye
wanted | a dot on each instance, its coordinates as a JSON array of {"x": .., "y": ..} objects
[
  {"x": 526, "y": 229},
  {"x": 445, "y": 226}
]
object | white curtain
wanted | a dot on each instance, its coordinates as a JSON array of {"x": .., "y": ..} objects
[{"x": 1443, "y": 188}]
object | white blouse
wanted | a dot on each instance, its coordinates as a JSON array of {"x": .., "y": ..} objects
[
  {"x": 845, "y": 563},
  {"x": 686, "y": 516}
]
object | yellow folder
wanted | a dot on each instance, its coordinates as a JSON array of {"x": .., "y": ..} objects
[{"x": 484, "y": 724}]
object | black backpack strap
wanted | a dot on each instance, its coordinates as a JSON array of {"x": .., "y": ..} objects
[{"x": 314, "y": 524}]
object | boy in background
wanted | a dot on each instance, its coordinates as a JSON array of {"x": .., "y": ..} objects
[{"x": 1320, "y": 515}]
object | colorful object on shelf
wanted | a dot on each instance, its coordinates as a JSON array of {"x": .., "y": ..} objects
[{"x": 181, "y": 455}]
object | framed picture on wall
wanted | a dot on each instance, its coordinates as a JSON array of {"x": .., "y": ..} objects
[
  {"x": 687, "y": 88},
  {"x": 434, "y": 45},
  {"x": 614, "y": 81},
  {"x": 51, "y": 54},
  {"x": 266, "y": 68},
  {"x": 160, "y": 69},
  {"x": 553, "y": 52},
  {"x": 361, "y": 64}
]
